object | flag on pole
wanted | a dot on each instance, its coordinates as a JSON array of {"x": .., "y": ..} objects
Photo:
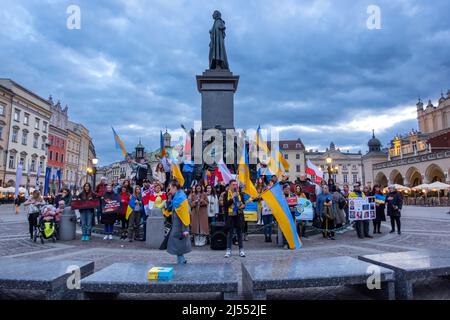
[
  {"x": 176, "y": 172},
  {"x": 58, "y": 174},
  {"x": 119, "y": 143},
  {"x": 224, "y": 172},
  {"x": 162, "y": 145},
  {"x": 48, "y": 171},
  {"x": 276, "y": 201},
  {"x": 18, "y": 178},
  {"x": 313, "y": 170},
  {"x": 244, "y": 175}
]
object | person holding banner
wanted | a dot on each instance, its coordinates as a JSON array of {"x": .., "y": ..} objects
[
  {"x": 361, "y": 226},
  {"x": 380, "y": 204},
  {"x": 86, "y": 215},
  {"x": 110, "y": 204}
]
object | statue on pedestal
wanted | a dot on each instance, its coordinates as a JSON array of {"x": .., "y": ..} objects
[{"x": 217, "y": 54}]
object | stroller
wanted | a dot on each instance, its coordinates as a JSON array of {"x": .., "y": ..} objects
[{"x": 46, "y": 226}]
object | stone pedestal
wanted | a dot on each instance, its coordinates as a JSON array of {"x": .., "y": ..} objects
[
  {"x": 155, "y": 229},
  {"x": 217, "y": 88}
]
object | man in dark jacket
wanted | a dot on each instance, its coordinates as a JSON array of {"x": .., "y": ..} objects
[{"x": 394, "y": 201}]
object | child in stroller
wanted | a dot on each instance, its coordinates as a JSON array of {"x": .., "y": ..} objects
[{"x": 46, "y": 226}]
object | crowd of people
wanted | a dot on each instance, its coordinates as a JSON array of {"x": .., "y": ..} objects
[{"x": 219, "y": 203}]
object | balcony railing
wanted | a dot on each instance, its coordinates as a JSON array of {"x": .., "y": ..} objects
[{"x": 411, "y": 160}]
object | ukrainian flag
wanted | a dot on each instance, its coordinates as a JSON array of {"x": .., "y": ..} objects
[
  {"x": 119, "y": 143},
  {"x": 244, "y": 175},
  {"x": 176, "y": 172},
  {"x": 181, "y": 206},
  {"x": 275, "y": 200},
  {"x": 260, "y": 141},
  {"x": 131, "y": 205},
  {"x": 277, "y": 154},
  {"x": 163, "y": 147}
]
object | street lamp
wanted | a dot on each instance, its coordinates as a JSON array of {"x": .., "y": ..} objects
[
  {"x": 330, "y": 168},
  {"x": 94, "y": 164}
]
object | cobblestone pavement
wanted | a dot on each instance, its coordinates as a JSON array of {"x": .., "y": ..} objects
[{"x": 422, "y": 227}]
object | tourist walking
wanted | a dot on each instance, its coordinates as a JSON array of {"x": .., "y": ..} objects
[
  {"x": 179, "y": 242},
  {"x": 394, "y": 202},
  {"x": 135, "y": 217},
  {"x": 234, "y": 216},
  {"x": 379, "y": 210},
  {"x": 198, "y": 201},
  {"x": 86, "y": 215}
]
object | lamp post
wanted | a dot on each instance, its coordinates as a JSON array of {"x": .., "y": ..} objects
[
  {"x": 94, "y": 169},
  {"x": 330, "y": 168}
]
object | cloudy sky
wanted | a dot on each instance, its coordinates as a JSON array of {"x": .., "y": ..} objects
[{"x": 310, "y": 69}]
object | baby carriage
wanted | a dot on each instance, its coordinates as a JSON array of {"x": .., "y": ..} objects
[{"x": 46, "y": 227}]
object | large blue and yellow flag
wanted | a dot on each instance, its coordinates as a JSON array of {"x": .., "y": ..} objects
[
  {"x": 275, "y": 200},
  {"x": 244, "y": 175},
  {"x": 162, "y": 146},
  {"x": 119, "y": 143},
  {"x": 181, "y": 206},
  {"x": 277, "y": 156}
]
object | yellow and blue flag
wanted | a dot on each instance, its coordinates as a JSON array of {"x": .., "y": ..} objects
[
  {"x": 176, "y": 172},
  {"x": 276, "y": 201},
  {"x": 181, "y": 206},
  {"x": 131, "y": 205},
  {"x": 162, "y": 145},
  {"x": 244, "y": 175},
  {"x": 119, "y": 143},
  {"x": 277, "y": 155}
]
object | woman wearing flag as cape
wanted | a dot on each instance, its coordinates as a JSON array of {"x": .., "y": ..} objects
[{"x": 179, "y": 242}]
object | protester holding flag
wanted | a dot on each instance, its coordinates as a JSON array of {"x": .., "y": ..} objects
[
  {"x": 86, "y": 215},
  {"x": 234, "y": 216},
  {"x": 179, "y": 242},
  {"x": 267, "y": 218},
  {"x": 379, "y": 209},
  {"x": 134, "y": 217}
]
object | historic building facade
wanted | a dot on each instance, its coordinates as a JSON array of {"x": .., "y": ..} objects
[
  {"x": 28, "y": 133},
  {"x": 57, "y": 138},
  {"x": 6, "y": 98},
  {"x": 73, "y": 154},
  {"x": 421, "y": 156}
]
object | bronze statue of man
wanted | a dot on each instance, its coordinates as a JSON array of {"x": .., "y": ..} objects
[{"x": 217, "y": 54}]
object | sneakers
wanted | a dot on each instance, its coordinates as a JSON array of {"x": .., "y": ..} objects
[
  {"x": 83, "y": 238},
  {"x": 87, "y": 238},
  {"x": 242, "y": 253},
  {"x": 228, "y": 254},
  {"x": 110, "y": 237},
  {"x": 105, "y": 237}
]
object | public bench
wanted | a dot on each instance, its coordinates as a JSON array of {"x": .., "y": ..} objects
[
  {"x": 258, "y": 277},
  {"x": 51, "y": 277},
  {"x": 132, "y": 278},
  {"x": 412, "y": 265}
]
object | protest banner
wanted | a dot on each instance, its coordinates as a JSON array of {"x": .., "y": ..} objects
[
  {"x": 361, "y": 208},
  {"x": 304, "y": 210}
]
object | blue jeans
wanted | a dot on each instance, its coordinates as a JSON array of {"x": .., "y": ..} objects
[
  {"x": 109, "y": 227},
  {"x": 86, "y": 221},
  {"x": 267, "y": 220},
  {"x": 181, "y": 259}
]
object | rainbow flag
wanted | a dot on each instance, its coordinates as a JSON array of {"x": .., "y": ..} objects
[
  {"x": 244, "y": 175},
  {"x": 275, "y": 200},
  {"x": 119, "y": 143},
  {"x": 181, "y": 206}
]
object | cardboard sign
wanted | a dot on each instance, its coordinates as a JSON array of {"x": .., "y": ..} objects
[
  {"x": 361, "y": 208},
  {"x": 304, "y": 210},
  {"x": 111, "y": 205},
  {"x": 251, "y": 212}
]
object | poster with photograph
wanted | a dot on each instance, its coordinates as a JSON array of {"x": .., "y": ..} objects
[
  {"x": 304, "y": 210},
  {"x": 361, "y": 208}
]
